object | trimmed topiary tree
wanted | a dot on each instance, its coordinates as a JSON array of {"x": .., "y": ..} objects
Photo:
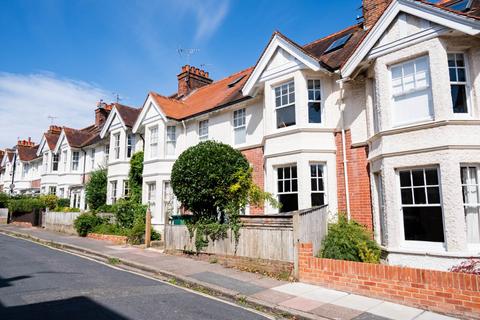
[
  {"x": 96, "y": 189},
  {"x": 135, "y": 178},
  {"x": 214, "y": 182}
]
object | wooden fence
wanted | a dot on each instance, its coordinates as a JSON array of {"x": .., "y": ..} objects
[
  {"x": 60, "y": 221},
  {"x": 272, "y": 237}
]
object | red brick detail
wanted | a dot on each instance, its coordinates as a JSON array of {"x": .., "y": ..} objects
[
  {"x": 452, "y": 293},
  {"x": 358, "y": 181},
  {"x": 108, "y": 237},
  {"x": 35, "y": 183},
  {"x": 255, "y": 158},
  {"x": 191, "y": 78}
]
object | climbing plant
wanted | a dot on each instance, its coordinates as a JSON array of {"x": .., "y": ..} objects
[
  {"x": 135, "y": 178},
  {"x": 96, "y": 189}
]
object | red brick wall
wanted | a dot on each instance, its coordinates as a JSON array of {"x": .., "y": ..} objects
[
  {"x": 358, "y": 181},
  {"x": 447, "y": 292},
  {"x": 255, "y": 158}
]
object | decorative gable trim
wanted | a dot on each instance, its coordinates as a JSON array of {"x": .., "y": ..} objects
[
  {"x": 60, "y": 141},
  {"x": 114, "y": 113},
  {"x": 42, "y": 144},
  {"x": 415, "y": 8},
  {"x": 149, "y": 102},
  {"x": 278, "y": 41}
]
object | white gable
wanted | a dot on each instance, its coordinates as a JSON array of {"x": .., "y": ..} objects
[
  {"x": 280, "y": 63},
  {"x": 116, "y": 122},
  {"x": 150, "y": 112}
]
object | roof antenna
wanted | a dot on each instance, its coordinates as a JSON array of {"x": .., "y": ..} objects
[
  {"x": 51, "y": 118},
  {"x": 117, "y": 97},
  {"x": 187, "y": 52}
]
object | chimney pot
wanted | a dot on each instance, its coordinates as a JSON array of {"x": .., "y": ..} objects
[{"x": 191, "y": 78}]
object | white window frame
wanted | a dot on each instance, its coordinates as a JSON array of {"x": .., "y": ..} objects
[
  {"x": 466, "y": 83},
  {"x": 130, "y": 150},
  {"x": 92, "y": 158},
  {"x": 239, "y": 125},
  {"x": 405, "y": 93},
  {"x": 126, "y": 188},
  {"x": 151, "y": 193},
  {"x": 323, "y": 178},
  {"x": 57, "y": 162},
  {"x": 283, "y": 180},
  {"x": 75, "y": 160},
  {"x": 414, "y": 244},
  {"x": 107, "y": 153},
  {"x": 169, "y": 201},
  {"x": 171, "y": 140},
  {"x": 203, "y": 128},
  {"x": 45, "y": 162},
  {"x": 476, "y": 167},
  {"x": 116, "y": 146},
  {"x": 286, "y": 105},
  {"x": 322, "y": 121},
  {"x": 153, "y": 141},
  {"x": 113, "y": 191}
]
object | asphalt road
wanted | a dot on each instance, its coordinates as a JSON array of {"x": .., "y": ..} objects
[{"x": 37, "y": 282}]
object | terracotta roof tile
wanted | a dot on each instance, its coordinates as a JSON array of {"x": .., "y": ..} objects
[
  {"x": 51, "y": 139},
  {"x": 129, "y": 115},
  {"x": 473, "y": 12},
  {"x": 26, "y": 153}
]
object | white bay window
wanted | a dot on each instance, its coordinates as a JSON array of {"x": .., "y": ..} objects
[
  {"x": 285, "y": 104},
  {"x": 287, "y": 188},
  {"x": 239, "y": 126},
  {"x": 171, "y": 140},
  {"x": 471, "y": 202},
  {"x": 153, "y": 142},
  {"x": 458, "y": 82}
]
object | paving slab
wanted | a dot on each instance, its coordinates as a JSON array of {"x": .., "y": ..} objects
[
  {"x": 369, "y": 316},
  {"x": 273, "y": 296},
  {"x": 332, "y": 311},
  {"x": 357, "y": 302},
  {"x": 302, "y": 304},
  {"x": 323, "y": 295},
  {"x": 296, "y": 288},
  {"x": 246, "y": 288},
  {"x": 427, "y": 315},
  {"x": 395, "y": 311}
]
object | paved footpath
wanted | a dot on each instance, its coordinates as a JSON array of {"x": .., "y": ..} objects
[{"x": 299, "y": 299}]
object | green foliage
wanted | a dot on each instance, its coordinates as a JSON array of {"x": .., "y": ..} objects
[
  {"x": 50, "y": 200},
  {"x": 135, "y": 178},
  {"x": 96, "y": 189},
  {"x": 63, "y": 202},
  {"x": 348, "y": 240},
  {"x": 66, "y": 209},
  {"x": 109, "y": 228},
  {"x": 105, "y": 208},
  {"x": 136, "y": 235},
  {"x": 86, "y": 222},
  {"x": 25, "y": 204},
  {"x": 127, "y": 211},
  {"x": 4, "y": 198},
  {"x": 214, "y": 181}
]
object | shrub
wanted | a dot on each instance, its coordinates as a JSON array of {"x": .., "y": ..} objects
[
  {"x": 50, "y": 200},
  {"x": 4, "y": 198},
  {"x": 23, "y": 205},
  {"x": 348, "y": 240},
  {"x": 109, "y": 228},
  {"x": 127, "y": 211},
  {"x": 135, "y": 178},
  {"x": 106, "y": 208},
  {"x": 96, "y": 189},
  {"x": 85, "y": 223},
  {"x": 471, "y": 266},
  {"x": 63, "y": 202},
  {"x": 66, "y": 209},
  {"x": 136, "y": 235}
]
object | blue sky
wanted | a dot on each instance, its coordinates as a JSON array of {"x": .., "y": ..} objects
[{"x": 59, "y": 57}]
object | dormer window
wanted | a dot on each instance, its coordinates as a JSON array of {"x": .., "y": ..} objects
[
  {"x": 55, "y": 160},
  {"x": 314, "y": 101},
  {"x": 285, "y": 104},
  {"x": 130, "y": 145},
  {"x": 116, "y": 146},
  {"x": 171, "y": 140},
  {"x": 75, "y": 160},
  {"x": 153, "y": 142}
]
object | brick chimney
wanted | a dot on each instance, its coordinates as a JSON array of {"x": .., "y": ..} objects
[
  {"x": 372, "y": 10},
  {"x": 26, "y": 143},
  {"x": 101, "y": 113},
  {"x": 54, "y": 129},
  {"x": 191, "y": 78}
]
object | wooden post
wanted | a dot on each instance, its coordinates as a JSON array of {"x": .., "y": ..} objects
[
  {"x": 296, "y": 242},
  {"x": 148, "y": 227}
]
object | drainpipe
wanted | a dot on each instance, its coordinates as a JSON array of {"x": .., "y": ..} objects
[
  {"x": 14, "y": 166},
  {"x": 344, "y": 148},
  {"x": 143, "y": 141}
]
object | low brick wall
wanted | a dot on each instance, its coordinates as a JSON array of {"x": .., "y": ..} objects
[
  {"x": 108, "y": 237},
  {"x": 447, "y": 292}
]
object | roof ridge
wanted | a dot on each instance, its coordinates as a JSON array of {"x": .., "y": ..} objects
[
  {"x": 216, "y": 82},
  {"x": 332, "y": 35}
]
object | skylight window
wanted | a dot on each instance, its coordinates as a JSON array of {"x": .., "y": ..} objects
[
  {"x": 339, "y": 43},
  {"x": 234, "y": 82},
  {"x": 461, "y": 5}
]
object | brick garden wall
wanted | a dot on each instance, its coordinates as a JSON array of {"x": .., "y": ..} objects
[
  {"x": 255, "y": 158},
  {"x": 108, "y": 237},
  {"x": 447, "y": 292},
  {"x": 358, "y": 181}
]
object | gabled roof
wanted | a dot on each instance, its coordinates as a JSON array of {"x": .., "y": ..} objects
[
  {"x": 127, "y": 115},
  {"x": 467, "y": 22},
  {"x": 27, "y": 153},
  {"x": 51, "y": 139}
]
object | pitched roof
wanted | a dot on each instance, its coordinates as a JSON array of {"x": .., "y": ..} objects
[
  {"x": 51, "y": 139},
  {"x": 27, "y": 153},
  {"x": 81, "y": 138},
  {"x": 10, "y": 154},
  {"x": 129, "y": 115},
  {"x": 215, "y": 95},
  {"x": 472, "y": 12}
]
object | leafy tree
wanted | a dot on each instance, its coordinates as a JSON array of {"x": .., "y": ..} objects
[
  {"x": 96, "y": 189},
  {"x": 4, "y": 198},
  {"x": 135, "y": 178},
  {"x": 214, "y": 182}
]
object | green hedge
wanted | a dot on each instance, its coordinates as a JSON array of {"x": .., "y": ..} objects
[
  {"x": 63, "y": 202},
  {"x": 86, "y": 223},
  {"x": 4, "y": 198},
  {"x": 23, "y": 205}
]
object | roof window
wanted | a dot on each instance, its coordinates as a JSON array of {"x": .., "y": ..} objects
[{"x": 339, "y": 43}]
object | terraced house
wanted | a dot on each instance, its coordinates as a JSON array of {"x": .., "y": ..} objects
[{"x": 380, "y": 120}]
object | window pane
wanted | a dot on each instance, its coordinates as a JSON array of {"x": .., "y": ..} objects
[
  {"x": 280, "y": 173},
  {"x": 408, "y": 76},
  {"x": 280, "y": 186},
  {"x": 313, "y": 171},
  {"x": 294, "y": 172},
  {"x": 459, "y": 98},
  {"x": 287, "y": 186},
  {"x": 314, "y": 112},
  {"x": 405, "y": 179},
  {"x": 407, "y": 196},
  {"x": 289, "y": 202},
  {"x": 419, "y": 195},
  {"x": 451, "y": 60},
  {"x": 432, "y": 177},
  {"x": 318, "y": 199},
  {"x": 433, "y": 194},
  {"x": 453, "y": 74},
  {"x": 460, "y": 60},
  {"x": 320, "y": 185},
  {"x": 286, "y": 117},
  {"x": 314, "y": 184},
  {"x": 423, "y": 224},
  {"x": 240, "y": 135},
  {"x": 294, "y": 185},
  {"x": 417, "y": 176},
  {"x": 461, "y": 75}
]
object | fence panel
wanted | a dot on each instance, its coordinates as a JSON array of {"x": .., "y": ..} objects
[
  {"x": 312, "y": 226},
  {"x": 61, "y": 221}
]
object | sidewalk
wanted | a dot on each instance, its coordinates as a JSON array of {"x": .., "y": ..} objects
[{"x": 298, "y": 299}]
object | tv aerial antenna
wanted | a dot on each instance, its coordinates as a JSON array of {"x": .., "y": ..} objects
[
  {"x": 51, "y": 118},
  {"x": 187, "y": 52},
  {"x": 117, "y": 97}
]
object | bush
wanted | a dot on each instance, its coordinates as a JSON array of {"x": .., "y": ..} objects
[
  {"x": 23, "y": 205},
  {"x": 96, "y": 189},
  {"x": 127, "y": 211},
  {"x": 106, "y": 208},
  {"x": 135, "y": 178},
  {"x": 66, "y": 209},
  {"x": 109, "y": 228},
  {"x": 63, "y": 202},
  {"x": 4, "y": 198},
  {"x": 348, "y": 240},
  {"x": 50, "y": 200},
  {"x": 86, "y": 222},
  {"x": 136, "y": 235}
]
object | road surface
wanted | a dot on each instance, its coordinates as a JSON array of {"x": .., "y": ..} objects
[{"x": 37, "y": 282}]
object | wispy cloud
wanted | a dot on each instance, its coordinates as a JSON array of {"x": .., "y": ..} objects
[
  {"x": 26, "y": 101},
  {"x": 209, "y": 15}
]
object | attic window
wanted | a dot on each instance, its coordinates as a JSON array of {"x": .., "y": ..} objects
[
  {"x": 461, "y": 5},
  {"x": 234, "y": 82},
  {"x": 339, "y": 43}
]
